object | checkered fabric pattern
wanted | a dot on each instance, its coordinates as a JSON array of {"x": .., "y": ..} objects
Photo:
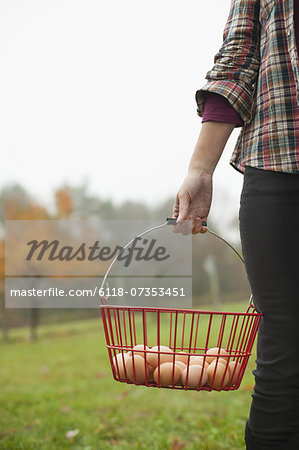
[{"x": 257, "y": 70}]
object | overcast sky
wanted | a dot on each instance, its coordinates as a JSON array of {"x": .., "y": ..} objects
[{"x": 103, "y": 91}]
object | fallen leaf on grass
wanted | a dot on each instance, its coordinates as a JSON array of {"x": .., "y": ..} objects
[
  {"x": 177, "y": 445},
  {"x": 8, "y": 433},
  {"x": 115, "y": 442},
  {"x": 29, "y": 427},
  {"x": 71, "y": 434},
  {"x": 65, "y": 409},
  {"x": 123, "y": 395},
  {"x": 101, "y": 375},
  {"x": 178, "y": 418},
  {"x": 60, "y": 334},
  {"x": 44, "y": 369}
]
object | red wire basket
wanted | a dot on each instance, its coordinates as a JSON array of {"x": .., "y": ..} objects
[{"x": 178, "y": 348}]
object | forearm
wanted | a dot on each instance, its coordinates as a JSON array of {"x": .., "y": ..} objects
[{"x": 209, "y": 147}]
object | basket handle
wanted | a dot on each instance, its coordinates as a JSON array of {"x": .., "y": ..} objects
[
  {"x": 204, "y": 224},
  {"x": 169, "y": 221},
  {"x": 102, "y": 297}
]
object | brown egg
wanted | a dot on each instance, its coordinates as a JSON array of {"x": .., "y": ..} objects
[
  {"x": 118, "y": 363},
  {"x": 139, "y": 369},
  {"x": 181, "y": 366},
  {"x": 220, "y": 360},
  {"x": 234, "y": 371},
  {"x": 181, "y": 356},
  {"x": 153, "y": 359},
  {"x": 140, "y": 347},
  {"x": 150, "y": 372},
  {"x": 219, "y": 371},
  {"x": 167, "y": 370},
  {"x": 198, "y": 361},
  {"x": 194, "y": 375},
  {"x": 216, "y": 351}
]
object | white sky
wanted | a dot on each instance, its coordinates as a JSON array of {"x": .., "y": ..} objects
[{"x": 103, "y": 90}]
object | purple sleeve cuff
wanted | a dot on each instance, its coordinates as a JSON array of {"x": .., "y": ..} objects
[{"x": 218, "y": 109}]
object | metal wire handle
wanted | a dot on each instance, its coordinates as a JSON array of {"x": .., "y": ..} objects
[
  {"x": 169, "y": 221},
  {"x": 104, "y": 299},
  {"x": 204, "y": 224}
]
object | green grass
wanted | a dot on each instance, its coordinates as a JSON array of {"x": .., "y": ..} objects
[{"x": 63, "y": 382}]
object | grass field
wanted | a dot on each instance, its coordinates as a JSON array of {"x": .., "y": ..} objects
[{"x": 63, "y": 383}]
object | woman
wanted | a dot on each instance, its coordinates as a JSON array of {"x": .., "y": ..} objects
[{"x": 254, "y": 84}]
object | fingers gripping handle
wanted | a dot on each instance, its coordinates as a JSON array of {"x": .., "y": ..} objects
[{"x": 173, "y": 221}]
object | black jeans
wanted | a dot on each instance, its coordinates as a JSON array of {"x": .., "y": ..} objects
[{"x": 269, "y": 227}]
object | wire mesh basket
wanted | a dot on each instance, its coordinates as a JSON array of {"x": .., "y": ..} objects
[{"x": 178, "y": 348}]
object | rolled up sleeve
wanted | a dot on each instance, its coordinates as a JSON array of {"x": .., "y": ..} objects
[
  {"x": 236, "y": 65},
  {"x": 218, "y": 109}
]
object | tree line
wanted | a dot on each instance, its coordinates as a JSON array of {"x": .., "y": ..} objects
[{"x": 218, "y": 275}]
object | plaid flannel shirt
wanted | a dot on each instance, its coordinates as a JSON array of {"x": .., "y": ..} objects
[{"x": 257, "y": 70}]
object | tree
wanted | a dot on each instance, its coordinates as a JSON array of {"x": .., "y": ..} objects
[
  {"x": 16, "y": 204},
  {"x": 3, "y": 312},
  {"x": 64, "y": 203}
]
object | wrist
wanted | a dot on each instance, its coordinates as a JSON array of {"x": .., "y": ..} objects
[
  {"x": 201, "y": 168},
  {"x": 209, "y": 147}
]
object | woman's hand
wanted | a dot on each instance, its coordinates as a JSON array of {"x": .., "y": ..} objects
[{"x": 193, "y": 201}]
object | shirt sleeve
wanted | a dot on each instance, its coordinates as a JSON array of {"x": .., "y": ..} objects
[
  {"x": 237, "y": 63},
  {"x": 218, "y": 109}
]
